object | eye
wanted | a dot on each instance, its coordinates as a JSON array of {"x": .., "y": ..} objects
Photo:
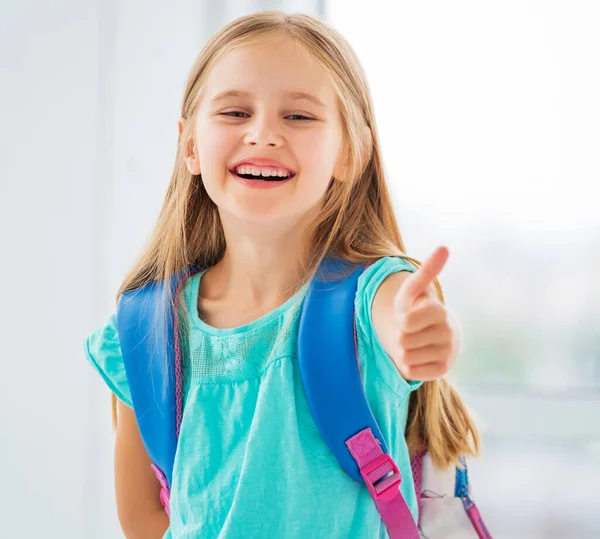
[
  {"x": 298, "y": 117},
  {"x": 235, "y": 114}
]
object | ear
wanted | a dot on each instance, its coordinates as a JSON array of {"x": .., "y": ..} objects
[
  {"x": 340, "y": 171},
  {"x": 191, "y": 154}
]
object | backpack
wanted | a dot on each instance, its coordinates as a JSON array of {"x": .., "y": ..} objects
[{"x": 327, "y": 358}]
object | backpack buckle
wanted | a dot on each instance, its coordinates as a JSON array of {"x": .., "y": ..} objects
[{"x": 385, "y": 487}]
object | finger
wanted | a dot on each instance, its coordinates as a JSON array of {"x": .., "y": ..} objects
[
  {"x": 425, "y": 372},
  {"x": 423, "y": 356},
  {"x": 420, "y": 281},
  {"x": 437, "y": 335},
  {"x": 430, "y": 312}
]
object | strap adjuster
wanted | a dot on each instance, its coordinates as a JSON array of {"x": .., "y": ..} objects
[
  {"x": 165, "y": 493},
  {"x": 385, "y": 487}
]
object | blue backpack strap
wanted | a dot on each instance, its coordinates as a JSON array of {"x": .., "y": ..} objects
[
  {"x": 141, "y": 319},
  {"x": 328, "y": 363}
]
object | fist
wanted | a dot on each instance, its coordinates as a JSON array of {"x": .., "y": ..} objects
[{"x": 427, "y": 332}]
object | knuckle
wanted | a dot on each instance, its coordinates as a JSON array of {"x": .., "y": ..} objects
[
  {"x": 404, "y": 339},
  {"x": 446, "y": 364},
  {"x": 447, "y": 334},
  {"x": 408, "y": 372},
  {"x": 407, "y": 322}
]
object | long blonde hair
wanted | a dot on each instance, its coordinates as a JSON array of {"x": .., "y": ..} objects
[{"x": 356, "y": 221}]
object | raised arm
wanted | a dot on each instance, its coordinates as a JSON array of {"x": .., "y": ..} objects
[{"x": 416, "y": 330}]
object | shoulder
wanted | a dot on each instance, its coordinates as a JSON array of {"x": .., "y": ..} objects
[
  {"x": 378, "y": 281},
  {"x": 380, "y": 276},
  {"x": 102, "y": 349},
  {"x": 377, "y": 287}
]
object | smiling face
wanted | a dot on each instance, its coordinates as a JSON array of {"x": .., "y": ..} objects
[{"x": 266, "y": 109}]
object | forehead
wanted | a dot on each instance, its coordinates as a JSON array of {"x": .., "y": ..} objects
[{"x": 273, "y": 67}]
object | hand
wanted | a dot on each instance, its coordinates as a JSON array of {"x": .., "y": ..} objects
[{"x": 428, "y": 335}]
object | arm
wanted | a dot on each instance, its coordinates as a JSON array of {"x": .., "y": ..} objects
[
  {"x": 141, "y": 514},
  {"x": 417, "y": 331}
]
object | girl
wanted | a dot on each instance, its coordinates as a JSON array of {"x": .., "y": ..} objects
[{"x": 278, "y": 165}]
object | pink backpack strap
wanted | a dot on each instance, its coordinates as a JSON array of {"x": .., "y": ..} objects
[
  {"x": 416, "y": 464},
  {"x": 375, "y": 467}
]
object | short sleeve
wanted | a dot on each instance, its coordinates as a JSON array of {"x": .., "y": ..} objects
[
  {"x": 369, "y": 344},
  {"x": 103, "y": 351}
]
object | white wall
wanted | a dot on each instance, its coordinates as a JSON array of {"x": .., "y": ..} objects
[{"x": 51, "y": 203}]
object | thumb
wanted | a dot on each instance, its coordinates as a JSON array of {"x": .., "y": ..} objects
[{"x": 420, "y": 281}]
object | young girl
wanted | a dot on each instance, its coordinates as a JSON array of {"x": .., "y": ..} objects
[{"x": 278, "y": 166}]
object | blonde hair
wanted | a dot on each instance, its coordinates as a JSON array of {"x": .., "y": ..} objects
[{"x": 355, "y": 222}]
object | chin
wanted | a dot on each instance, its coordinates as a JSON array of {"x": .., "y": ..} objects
[{"x": 264, "y": 216}]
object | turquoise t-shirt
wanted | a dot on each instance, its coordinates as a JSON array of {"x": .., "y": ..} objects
[{"x": 250, "y": 460}]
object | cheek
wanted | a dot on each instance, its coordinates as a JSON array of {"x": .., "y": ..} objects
[
  {"x": 318, "y": 152},
  {"x": 215, "y": 144}
]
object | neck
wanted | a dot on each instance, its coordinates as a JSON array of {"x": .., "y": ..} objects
[{"x": 260, "y": 266}]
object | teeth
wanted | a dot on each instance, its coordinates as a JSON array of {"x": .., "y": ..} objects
[{"x": 262, "y": 171}]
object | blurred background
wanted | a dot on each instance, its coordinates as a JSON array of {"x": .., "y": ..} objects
[{"x": 489, "y": 117}]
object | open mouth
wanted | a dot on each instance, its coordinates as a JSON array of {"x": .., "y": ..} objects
[
  {"x": 261, "y": 178},
  {"x": 262, "y": 174}
]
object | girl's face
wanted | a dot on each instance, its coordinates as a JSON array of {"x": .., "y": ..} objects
[{"x": 271, "y": 107}]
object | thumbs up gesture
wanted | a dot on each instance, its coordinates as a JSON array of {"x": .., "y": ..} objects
[{"x": 427, "y": 331}]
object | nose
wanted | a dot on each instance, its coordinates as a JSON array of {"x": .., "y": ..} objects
[{"x": 263, "y": 131}]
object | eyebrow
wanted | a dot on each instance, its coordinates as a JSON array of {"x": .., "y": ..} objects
[{"x": 295, "y": 95}]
